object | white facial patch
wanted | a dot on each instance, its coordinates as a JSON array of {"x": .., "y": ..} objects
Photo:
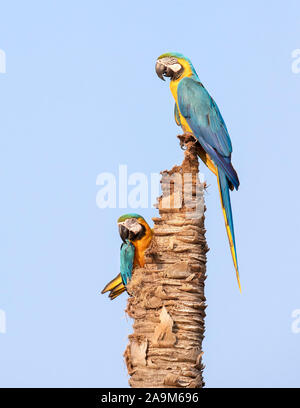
[
  {"x": 175, "y": 67},
  {"x": 171, "y": 63},
  {"x": 133, "y": 225}
]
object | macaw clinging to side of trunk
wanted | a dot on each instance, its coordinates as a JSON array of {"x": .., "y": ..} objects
[
  {"x": 198, "y": 114},
  {"x": 136, "y": 236}
]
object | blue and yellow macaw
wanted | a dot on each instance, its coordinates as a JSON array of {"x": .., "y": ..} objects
[
  {"x": 136, "y": 236},
  {"x": 198, "y": 114}
]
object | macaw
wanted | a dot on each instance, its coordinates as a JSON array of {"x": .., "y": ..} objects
[
  {"x": 136, "y": 236},
  {"x": 198, "y": 114}
]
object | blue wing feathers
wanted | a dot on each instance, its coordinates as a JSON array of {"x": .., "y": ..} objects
[
  {"x": 200, "y": 109},
  {"x": 126, "y": 261},
  {"x": 204, "y": 118},
  {"x": 224, "y": 163}
]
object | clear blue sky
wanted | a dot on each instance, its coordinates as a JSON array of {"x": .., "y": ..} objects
[{"x": 80, "y": 97}]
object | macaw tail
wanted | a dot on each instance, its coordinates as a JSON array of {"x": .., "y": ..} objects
[
  {"x": 115, "y": 287},
  {"x": 226, "y": 207},
  {"x": 118, "y": 290}
]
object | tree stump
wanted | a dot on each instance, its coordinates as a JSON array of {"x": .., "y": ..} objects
[{"x": 167, "y": 299}]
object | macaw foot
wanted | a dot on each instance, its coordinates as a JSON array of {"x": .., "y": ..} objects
[{"x": 185, "y": 139}]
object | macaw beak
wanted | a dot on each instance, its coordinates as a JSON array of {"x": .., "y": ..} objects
[
  {"x": 124, "y": 232},
  {"x": 160, "y": 70}
]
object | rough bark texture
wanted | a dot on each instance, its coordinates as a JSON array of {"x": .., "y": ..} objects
[{"x": 167, "y": 299}]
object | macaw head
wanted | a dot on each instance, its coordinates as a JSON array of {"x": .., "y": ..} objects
[
  {"x": 174, "y": 65},
  {"x": 132, "y": 227}
]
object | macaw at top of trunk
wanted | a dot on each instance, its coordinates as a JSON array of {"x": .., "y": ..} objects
[{"x": 198, "y": 114}]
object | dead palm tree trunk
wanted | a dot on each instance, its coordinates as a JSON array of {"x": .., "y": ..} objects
[{"x": 167, "y": 299}]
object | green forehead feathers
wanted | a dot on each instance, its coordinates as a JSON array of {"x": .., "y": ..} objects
[
  {"x": 127, "y": 216},
  {"x": 172, "y": 54}
]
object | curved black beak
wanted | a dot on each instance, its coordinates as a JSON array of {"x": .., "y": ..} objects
[
  {"x": 124, "y": 232},
  {"x": 160, "y": 70}
]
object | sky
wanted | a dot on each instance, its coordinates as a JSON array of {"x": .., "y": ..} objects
[{"x": 79, "y": 98}]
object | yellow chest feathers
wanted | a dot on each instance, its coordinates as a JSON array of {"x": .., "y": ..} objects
[
  {"x": 173, "y": 87},
  {"x": 142, "y": 244}
]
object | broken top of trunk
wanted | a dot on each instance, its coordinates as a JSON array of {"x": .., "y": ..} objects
[{"x": 167, "y": 299}]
